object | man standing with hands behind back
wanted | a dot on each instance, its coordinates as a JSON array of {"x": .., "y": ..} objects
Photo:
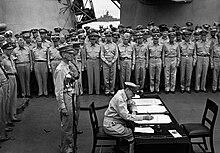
[{"x": 117, "y": 114}]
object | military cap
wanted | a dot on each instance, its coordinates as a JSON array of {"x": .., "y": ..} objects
[
  {"x": 69, "y": 48},
  {"x": 129, "y": 27},
  {"x": 7, "y": 46},
  {"x": 133, "y": 87},
  {"x": 139, "y": 27},
  {"x": 130, "y": 31},
  {"x": 188, "y": 24},
  {"x": 93, "y": 32},
  {"x": 213, "y": 29},
  {"x": 108, "y": 33},
  {"x": 71, "y": 30},
  {"x": 41, "y": 31},
  {"x": 163, "y": 27},
  {"x": 187, "y": 32},
  {"x": 139, "y": 35},
  {"x": 155, "y": 34},
  {"x": 172, "y": 33},
  {"x": 198, "y": 27},
  {"x": 82, "y": 36},
  {"x": 68, "y": 36},
  {"x": 49, "y": 33},
  {"x": 176, "y": 27},
  {"x": 203, "y": 32},
  {"x": 115, "y": 34},
  {"x": 57, "y": 29},
  {"x": 26, "y": 34},
  {"x": 34, "y": 30},
  {"x": 206, "y": 26},
  {"x": 196, "y": 32},
  {"x": 2, "y": 39},
  {"x": 155, "y": 30},
  {"x": 8, "y": 33},
  {"x": 55, "y": 37},
  {"x": 183, "y": 28},
  {"x": 121, "y": 25}
]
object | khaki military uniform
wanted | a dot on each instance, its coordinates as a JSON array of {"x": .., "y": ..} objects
[
  {"x": 141, "y": 63},
  {"x": 171, "y": 55},
  {"x": 40, "y": 60},
  {"x": 64, "y": 97},
  {"x": 23, "y": 64},
  {"x": 155, "y": 65},
  {"x": 109, "y": 55},
  {"x": 187, "y": 60},
  {"x": 203, "y": 54},
  {"x": 93, "y": 66},
  {"x": 126, "y": 61}
]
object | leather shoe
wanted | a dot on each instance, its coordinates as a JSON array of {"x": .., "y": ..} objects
[
  {"x": 197, "y": 91},
  {"x": 214, "y": 91},
  {"x": 4, "y": 139},
  {"x": 188, "y": 91},
  {"x": 16, "y": 120},
  {"x": 173, "y": 92},
  {"x": 166, "y": 92},
  {"x": 8, "y": 129},
  {"x": 182, "y": 91},
  {"x": 10, "y": 124},
  {"x": 79, "y": 132}
]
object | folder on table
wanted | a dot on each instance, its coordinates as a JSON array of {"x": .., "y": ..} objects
[
  {"x": 151, "y": 109},
  {"x": 143, "y": 130},
  {"x": 157, "y": 119},
  {"x": 147, "y": 101}
]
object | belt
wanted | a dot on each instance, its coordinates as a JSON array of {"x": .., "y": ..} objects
[
  {"x": 23, "y": 62},
  {"x": 155, "y": 57},
  {"x": 124, "y": 58},
  {"x": 186, "y": 55},
  {"x": 92, "y": 58},
  {"x": 40, "y": 61},
  {"x": 203, "y": 55},
  {"x": 170, "y": 56},
  {"x": 10, "y": 73}
]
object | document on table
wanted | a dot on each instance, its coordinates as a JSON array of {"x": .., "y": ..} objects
[
  {"x": 147, "y": 101},
  {"x": 144, "y": 130},
  {"x": 157, "y": 119},
  {"x": 151, "y": 109},
  {"x": 175, "y": 134}
]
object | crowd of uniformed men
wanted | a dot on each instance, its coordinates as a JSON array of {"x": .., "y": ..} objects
[{"x": 123, "y": 51}]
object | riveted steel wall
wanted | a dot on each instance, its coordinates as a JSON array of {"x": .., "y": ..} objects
[{"x": 133, "y": 12}]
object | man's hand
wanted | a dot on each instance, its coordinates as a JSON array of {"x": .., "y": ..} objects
[{"x": 148, "y": 117}]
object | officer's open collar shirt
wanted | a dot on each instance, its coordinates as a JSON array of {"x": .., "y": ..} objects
[
  {"x": 8, "y": 64},
  {"x": 92, "y": 51},
  {"x": 140, "y": 51},
  {"x": 203, "y": 47},
  {"x": 187, "y": 49},
  {"x": 54, "y": 53},
  {"x": 118, "y": 108},
  {"x": 171, "y": 50},
  {"x": 40, "y": 53},
  {"x": 155, "y": 50},
  {"x": 109, "y": 52},
  {"x": 22, "y": 54}
]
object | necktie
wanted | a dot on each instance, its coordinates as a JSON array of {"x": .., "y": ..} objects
[{"x": 4, "y": 71}]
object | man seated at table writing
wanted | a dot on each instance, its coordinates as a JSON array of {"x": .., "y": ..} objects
[{"x": 121, "y": 109}]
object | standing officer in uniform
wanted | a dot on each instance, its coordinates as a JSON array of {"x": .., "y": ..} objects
[
  {"x": 54, "y": 54},
  {"x": 109, "y": 55},
  {"x": 3, "y": 101},
  {"x": 215, "y": 64},
  {"x": 155, "y": 50},
  {"x": 41, "y": 64},
  {"x": 117, "y": 114},
  {"x": 203, "y": 47},
  {"x": 92, "y": 50},
  {"x": 24, "y": 66},
  {"x": 171, "y": 59},
  {"x": 141, "y": 61},
  {"x": 187, "y": 61},
  {"x": 64, "y": 77},
  {"x": 126, "y": 59},
  {"x": 34, "y": 35},
  {"x": 9, "y": 66}
]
